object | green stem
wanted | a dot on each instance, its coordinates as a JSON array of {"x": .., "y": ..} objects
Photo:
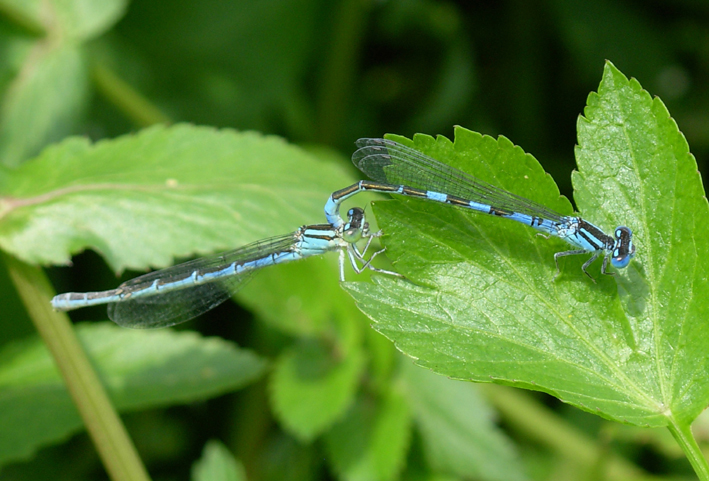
[
  {"x": 136, "y": 107},
  {"x": 683, "y": 434},
  {"x": 538, "y": 423},
  {"x": 339, "y": 68},
  {"x": 22, "y": 20},
  {"x": 102, "y": 422}
]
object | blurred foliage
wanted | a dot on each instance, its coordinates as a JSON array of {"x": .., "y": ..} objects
[{"x": 323, "y": 74}]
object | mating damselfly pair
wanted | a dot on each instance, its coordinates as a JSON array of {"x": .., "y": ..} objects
[{"x": 182, "y": 292}]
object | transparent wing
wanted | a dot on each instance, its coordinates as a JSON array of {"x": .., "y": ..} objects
[
  {"x": 390, "y": 162},
  {"x": 174, "y": 307},
  {"x": 170, "y": 296}
]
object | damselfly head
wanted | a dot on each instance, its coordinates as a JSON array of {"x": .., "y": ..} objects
[
  {"x": 624, "y": 249},
  {"x": 356, "y": 226}
]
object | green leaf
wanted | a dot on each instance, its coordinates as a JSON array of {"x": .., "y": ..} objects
[
  {"x": 70, "y": 19},
  {"x": 44, "y": 102},
  {"x": 457, "y": 428},
  {"x": 283, "y": 458},
  {"x": 480, "y": 302},
  {"x": 313, "y": 385},
  {"x": 282, "y": 297},
  {"x": 86, "y": 19},
  {"x": 629, "y": 142},
  {"x": 140, "y": 369},
  {"x": 370, "y": 444},
  {"x": 217, "y": 464},
  {"x": 140, "y": 200}
]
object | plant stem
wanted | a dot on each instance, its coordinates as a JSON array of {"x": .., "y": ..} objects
[
  {"x": 683, "y": 434},
  {"x": 136, "y": 107},
  {"x": 339, "y": 68},
  {"x": 20, "y": 19},
  {"x": 102, "y": 422},
  {"x": 533, "y": 420}
]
